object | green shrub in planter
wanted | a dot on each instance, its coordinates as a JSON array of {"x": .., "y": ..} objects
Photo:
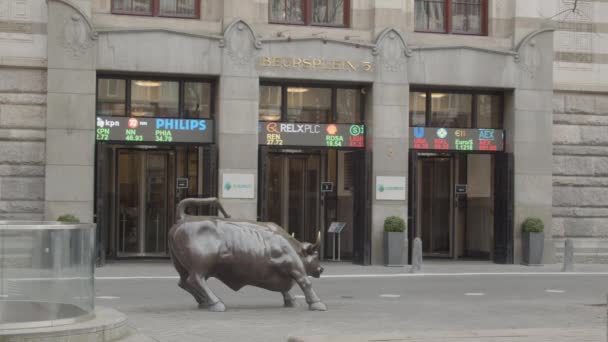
[
  {"x": 68, "y": 218},
  {"x": 394, "y": 240},
  {"x": 533, "y": 239},
  {"x": 394, "y": 224},
  {"x": 532, "y": 225}
]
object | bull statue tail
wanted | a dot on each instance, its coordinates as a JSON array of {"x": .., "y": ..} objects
[{"x": 183, "y": 204}]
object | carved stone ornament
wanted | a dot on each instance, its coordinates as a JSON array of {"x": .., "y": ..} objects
[
  {"x": 391, "y": 54},
  {"x": 531, "y": 60},
  {"x": 240, "y": 43},
  {"x": 75, "y": 36}
]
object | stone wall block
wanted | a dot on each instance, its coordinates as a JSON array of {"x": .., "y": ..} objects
[
  {"x": 69, "y": 183},
  {"x": 592, "y": 135},
  {"x": 71, "y": 81},
  {"x": 567, "y": 134},
  {"x": 22, "y": 134},
  {"x": 22, "y": 116},
  {"x": 21, "y": 207},
  {"x": 21, "y": 152},
  {"x": 558, "y": 103},
  {"x": 22, "y": 99},
  {"x": 15, "y": 188},
  {"x": 579, "y": 104},
  {"x": 22, "y": 80},
  {"x": 74, "y": 111},
  {"x": 601, "y": 104},
  {"x": 572, "y": 166},
  {"x": 600, "y": 167},
  {"x": 22, "y": 170},
  {"x": 70, "y": 147},
  {"x": 585, "y": 227},
  {"x": 580, "y": 196}
]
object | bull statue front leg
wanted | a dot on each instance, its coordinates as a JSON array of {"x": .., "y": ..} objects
[
  {"x": 289, "y": 301},
  {"x": 314, "y": 303}
]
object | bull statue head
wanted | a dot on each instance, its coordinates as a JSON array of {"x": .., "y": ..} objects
[{"x": 310, "y": 257}]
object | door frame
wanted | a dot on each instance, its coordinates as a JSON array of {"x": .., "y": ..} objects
[
  {"x": 265, "y": 155},
  {"x": 417, "y": 187},
  {"x": 142, "y": 189}
]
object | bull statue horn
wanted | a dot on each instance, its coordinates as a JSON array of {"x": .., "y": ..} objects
[
  {"x": 293, "y": 234},
  {"x": 318, "y": 242}
]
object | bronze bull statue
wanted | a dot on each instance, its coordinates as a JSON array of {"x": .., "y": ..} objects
[{"x": 239, "y": 253}]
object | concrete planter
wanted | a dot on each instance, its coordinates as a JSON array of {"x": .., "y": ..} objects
[
  {"x": 533, "y": 244},
  {"x": 393, "y": 248}
]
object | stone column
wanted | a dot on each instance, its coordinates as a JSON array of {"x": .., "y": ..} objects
[
  {"x": 387, "y": 130},
  {"x": 70, "y": 124},
  {"x": 528, "y": 124},
  {"x": 238, "y": 115}
]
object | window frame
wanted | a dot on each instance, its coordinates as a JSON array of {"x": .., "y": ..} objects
[
  {"x": 147, "y": 77},
  {"x": 307, "y": 10},
  {"x": 447, "y": 21},
  {"x": 474, "y": 110},
  {"x": 333, "y": 117},
  {"x": 156, "y": 11}
]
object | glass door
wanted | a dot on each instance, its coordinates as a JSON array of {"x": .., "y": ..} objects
[
  {"x": 435, "y": 205},
  {"x": 292, "y": 193},
  {"x": 143, "y": 180}
]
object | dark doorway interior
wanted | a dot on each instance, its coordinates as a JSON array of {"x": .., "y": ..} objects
[{"x": 305, "y": 190}]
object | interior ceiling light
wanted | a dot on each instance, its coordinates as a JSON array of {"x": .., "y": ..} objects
[
  {"x": 434, "y": 95},
  {"x": 296, "y": 90},
  {"x": 148, "y": 83},
  {"x": 137, "y": 113}
]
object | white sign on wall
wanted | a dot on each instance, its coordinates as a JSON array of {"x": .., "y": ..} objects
[
  {"x": 390, "y": 188},
  {"x": 238, "y": 185}
]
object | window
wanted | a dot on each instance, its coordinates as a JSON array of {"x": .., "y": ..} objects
[
  {"x": 111, "y": 97},
  {"x": 312, "y": 104},
  {"x": 348, "y": 105},
  {"x": 452, "y": 16},
  {"x": 488, "y": 110},
  {"x": 270, "y": 103},
  {"x": 158, "y": 8},
  {"x": 197, "y": 100},
  {"x": 451, "y": 109},
  {"x": 154, "y": 97},
  {"x": 310, "y": 12},
  {"x": 417, "y": 109},
  {"x": 308, "y": 104}
]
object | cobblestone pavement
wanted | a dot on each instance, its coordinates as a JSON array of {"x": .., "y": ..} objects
[{"x": 446, "y": 303}]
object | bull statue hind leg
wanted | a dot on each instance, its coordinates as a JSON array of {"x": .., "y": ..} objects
[{"x": 199, "y": 285}]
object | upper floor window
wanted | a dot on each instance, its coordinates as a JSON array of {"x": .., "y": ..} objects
[
  {"x": 152, "y": 97},
  {"x": 452, "y": 16},
  {"x": 310, "y": 12},
  {"x": 455, "y": 109},
  {"x": 158, "y": 8},
  {"x": 320, "y": 104}
]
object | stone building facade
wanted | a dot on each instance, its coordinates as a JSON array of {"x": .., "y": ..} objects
[
  {"x": 54, "y": 54},
  {"x": 580, "y": 127}
]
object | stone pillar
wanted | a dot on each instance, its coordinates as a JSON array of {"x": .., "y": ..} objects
[
  {"x": 387, "y": 131},
  {"x": 528, "y": 125},
  {"x": 238, "y": 115},
  {"x": 70, "y": 123}
]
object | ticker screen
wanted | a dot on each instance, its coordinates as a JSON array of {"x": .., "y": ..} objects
[
  {"x": 306, "y": 134},
  {"x": 157, "y": 130},
  {"x": 456, "y": 139}
]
